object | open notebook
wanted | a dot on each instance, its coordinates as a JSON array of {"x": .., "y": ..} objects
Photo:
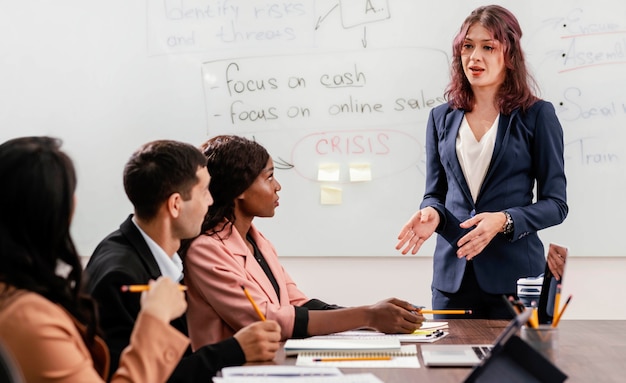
[
  {"x": 341, "y": 345},
  {"x": 429, "y": 332},
  {"x": 405, "y": 357},
  {"x": 468, "y": 355}
]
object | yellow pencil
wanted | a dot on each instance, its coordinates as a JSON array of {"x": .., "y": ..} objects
[
  {"x": 556, "y": 320},
  {"x": 462, "y": 312},
  {"x": 347, "y": 359},
  {"x": 140, "y": 288},
  {"x": 557, "y": 302},
  {"x": 256, "y": 308},
  {"x": 533, "y": 320}
]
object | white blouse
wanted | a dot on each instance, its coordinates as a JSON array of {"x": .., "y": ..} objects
[{"x": 475, "y": 156}]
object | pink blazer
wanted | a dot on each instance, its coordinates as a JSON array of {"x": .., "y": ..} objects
[
  {"x": 214, "y": 274},
  {"x": 46, "y": 343}
]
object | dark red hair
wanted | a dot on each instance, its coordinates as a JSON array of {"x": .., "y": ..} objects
[{"x": 519, "y": 87}]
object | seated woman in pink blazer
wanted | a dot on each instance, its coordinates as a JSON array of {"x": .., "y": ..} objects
[
  {"x": 46, "y": 324},
  {"x": 232, "y": 253}
]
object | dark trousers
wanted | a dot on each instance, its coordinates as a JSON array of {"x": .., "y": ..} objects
[{"x": 471, "y": 297}]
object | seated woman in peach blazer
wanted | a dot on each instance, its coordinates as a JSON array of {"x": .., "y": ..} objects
[
  {"x": 232, "y": 253},
  {"x": 46, "y": 324}
]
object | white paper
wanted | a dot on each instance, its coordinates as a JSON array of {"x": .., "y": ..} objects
[
  {"x": 346, "y": 378},
  {"x": 343, "y": 345},
  {"x": 277, "y": 371},
  {"x": 405, "y": 358},
  {"x": 428, "y": 333}
]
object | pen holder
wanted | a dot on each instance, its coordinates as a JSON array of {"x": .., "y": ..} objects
[{"x": 544, "y": 339}]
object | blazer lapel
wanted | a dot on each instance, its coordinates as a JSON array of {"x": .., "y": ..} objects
[
  {"x": 451, "y": 129},
  {"x": 134, "y": 237},
  {"x": 251, "y": 265}
]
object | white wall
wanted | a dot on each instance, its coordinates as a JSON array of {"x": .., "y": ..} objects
[{"x": 594, "y": 282}]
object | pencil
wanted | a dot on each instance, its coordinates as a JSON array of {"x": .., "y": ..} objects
[
  {"x": 556, "y": 320},
  {"x": 256, "y": 308},
  {"x": 445, "y": 311},
  {"x": 533, "y": 320},
  {"x": 140, "y": 288},
  {"x": 557, "y": 301},
  {"x": 347, "y": 359}
]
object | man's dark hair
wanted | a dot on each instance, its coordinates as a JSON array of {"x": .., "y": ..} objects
[{"x": 159, "y": 169}]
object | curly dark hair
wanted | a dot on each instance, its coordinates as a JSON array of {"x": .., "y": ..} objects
[{"x": 234, "y": 163}]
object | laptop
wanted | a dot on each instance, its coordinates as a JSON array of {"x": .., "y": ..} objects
[{"x": 469, "y": 355}]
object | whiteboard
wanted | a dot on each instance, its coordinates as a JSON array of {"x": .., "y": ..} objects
[{"x": 337, "y": 91}]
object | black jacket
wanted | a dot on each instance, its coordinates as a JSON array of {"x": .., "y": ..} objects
[{"x": 124, "y": 258}]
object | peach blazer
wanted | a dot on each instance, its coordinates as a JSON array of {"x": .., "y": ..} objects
[
  {"x": 44, "y": 340},
  {"x": 215, "y": 270}
]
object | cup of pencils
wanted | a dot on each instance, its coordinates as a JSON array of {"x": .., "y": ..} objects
[{"x": 544, "y": 338}]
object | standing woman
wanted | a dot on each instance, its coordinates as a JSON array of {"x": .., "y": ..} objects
[
  {"x": 231, "y": 253},
  {"x": 46, "y": 323},
  {"x": 487, "y": 149}
]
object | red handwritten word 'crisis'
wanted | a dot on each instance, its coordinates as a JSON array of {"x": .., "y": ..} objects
[{"x": 353, "y": 144}]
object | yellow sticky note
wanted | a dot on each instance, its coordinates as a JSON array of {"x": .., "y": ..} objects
[
  {"x": 360, "y": 172},
  {"x": 328, "y": 172},
  {"x": 330, "y": 195}
]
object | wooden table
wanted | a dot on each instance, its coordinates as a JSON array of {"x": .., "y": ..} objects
[{"x": 590, "y": 351}]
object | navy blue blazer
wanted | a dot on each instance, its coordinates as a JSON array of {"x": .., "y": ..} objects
[{"x": 528, "y": 151}]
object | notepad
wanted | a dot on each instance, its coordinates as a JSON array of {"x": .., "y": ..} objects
[
  {"x": 341, "y": 345},
  {"x": 277, "y": 371},
  {"x": 433, "y": 325},
  {"x": 429, "y": 332},
  {"x": 273, "y": 374},
  {"x": 346, "y": 378},
  {"x": 419, "y": 336},
  {"x": 405, "y": 357}
]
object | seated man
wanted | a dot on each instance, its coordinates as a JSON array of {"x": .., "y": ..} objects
[{"x": 167, "y": 183}]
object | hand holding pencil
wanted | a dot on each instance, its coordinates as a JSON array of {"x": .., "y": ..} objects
[
  {"x": 163, "y": 299},
  {"x": 259, "y": 340}
]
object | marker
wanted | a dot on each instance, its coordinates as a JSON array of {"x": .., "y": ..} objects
[
  {"x": 256, "y": 308},
  {"x": 556, "y": 320},
  {"x": 140, "y": 288},
  {"x": 461, "y": 312},
  {"x": 348, "y": 359}
]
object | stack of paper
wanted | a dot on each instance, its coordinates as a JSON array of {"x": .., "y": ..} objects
[
  {"x": 428, "y": 333},
  {"x": 431, "y": 325},
  {"x": 341, "y": 345},
  {"x": 406, "y": 357},
  {"x": 272, "y": 374}
]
